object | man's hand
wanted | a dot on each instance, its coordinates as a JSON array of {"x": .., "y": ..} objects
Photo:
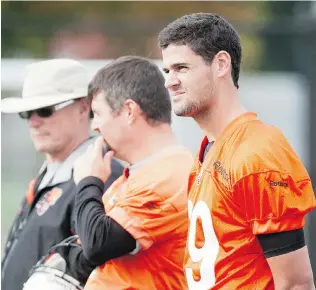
[{"x": 93, "y": 163}]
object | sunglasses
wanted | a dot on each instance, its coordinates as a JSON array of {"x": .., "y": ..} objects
[{"x": 46, "y": 111}]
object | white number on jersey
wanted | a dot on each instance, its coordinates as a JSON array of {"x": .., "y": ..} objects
[{"x": 205, "y": 255}]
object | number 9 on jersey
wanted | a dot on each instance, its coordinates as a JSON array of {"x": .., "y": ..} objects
[{"x": 204, "y": 256}]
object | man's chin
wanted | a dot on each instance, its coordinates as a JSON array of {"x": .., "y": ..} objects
[
  {"x": 42, "y": 147},
  {"x": 182, "y": 113},
  {"x": 187, "y": 111}
]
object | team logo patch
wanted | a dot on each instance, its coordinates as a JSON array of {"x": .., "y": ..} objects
[
  {"x": 49, "y": 199},
  {"x": 112, "y": 200}
]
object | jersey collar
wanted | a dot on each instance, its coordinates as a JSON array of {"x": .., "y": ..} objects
[{"x": 228, "y": 130}]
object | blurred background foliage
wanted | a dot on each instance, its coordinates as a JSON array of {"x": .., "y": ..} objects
[
  {"x": 97, "y": 30},
  {"x": 38, "y": 29}
]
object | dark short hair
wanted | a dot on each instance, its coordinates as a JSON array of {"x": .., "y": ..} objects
[
  {"x": 138, "y": 79},
  {"x": 206, "y": 34}
]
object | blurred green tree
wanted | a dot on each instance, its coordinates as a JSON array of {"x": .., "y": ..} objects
[{"x": 29, "y": 28}]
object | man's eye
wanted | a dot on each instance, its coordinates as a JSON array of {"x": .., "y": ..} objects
[
  {"x": 182, "y": 68},
  {"x": 166, "y": 71}
]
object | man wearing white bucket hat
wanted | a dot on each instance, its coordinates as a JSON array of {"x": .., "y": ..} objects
[{"x": 55, "y": 106}]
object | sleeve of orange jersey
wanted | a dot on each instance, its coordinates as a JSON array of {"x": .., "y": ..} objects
[
  {"x": 146, "y": 217},
  {"x": 274, "y": 202}
]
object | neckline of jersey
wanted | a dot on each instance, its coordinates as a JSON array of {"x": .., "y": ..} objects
[
  {"x": 164, "y": 151},
  {"x": 241, "y": 119},
  {"x": 232, "y": 125}
]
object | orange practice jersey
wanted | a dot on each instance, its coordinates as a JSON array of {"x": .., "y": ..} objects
[
  {"x": 150, "y": 202},
  {"x": 251, "y": 182}
]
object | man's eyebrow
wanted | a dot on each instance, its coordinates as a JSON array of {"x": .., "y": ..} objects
[{"x": 175, "y": 66}]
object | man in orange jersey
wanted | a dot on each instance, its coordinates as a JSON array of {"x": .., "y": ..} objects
[
  {"x": 142, "y": 220},
  {"x": 248, "y": 191}
]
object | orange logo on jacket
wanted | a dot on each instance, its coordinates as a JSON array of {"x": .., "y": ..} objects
[{"x": 49, "y": 199}]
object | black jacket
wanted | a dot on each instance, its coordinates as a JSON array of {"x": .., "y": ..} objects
[{"x": 46, "y": 218}]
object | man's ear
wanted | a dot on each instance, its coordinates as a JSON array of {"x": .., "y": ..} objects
[
  {"x": 223, "y": 64},
  {"x": 85, "y": 107},
  {"x": 133, "y": 110}
]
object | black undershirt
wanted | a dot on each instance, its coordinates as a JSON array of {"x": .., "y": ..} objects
[
  {"x": 281, "y": 243},
  {"x": 102, "y": 238}
]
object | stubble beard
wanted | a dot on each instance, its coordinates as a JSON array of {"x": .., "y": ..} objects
[{"x": 193, "y": 108}]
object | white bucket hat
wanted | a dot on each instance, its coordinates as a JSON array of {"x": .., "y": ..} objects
[{"x": 48, "y": 83}]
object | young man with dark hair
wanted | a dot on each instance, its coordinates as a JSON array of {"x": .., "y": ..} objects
[{"x": 248, "y": 191}]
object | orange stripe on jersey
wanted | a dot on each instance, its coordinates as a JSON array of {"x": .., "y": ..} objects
[
  {"x": 251, "y": 182},
  {"x": 151, "y": 204}
]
